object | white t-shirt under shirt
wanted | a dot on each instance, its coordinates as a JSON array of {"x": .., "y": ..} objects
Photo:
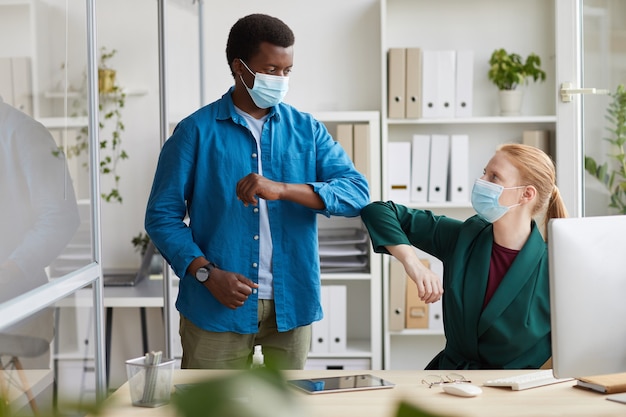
[{"x": 266, "y": 291}]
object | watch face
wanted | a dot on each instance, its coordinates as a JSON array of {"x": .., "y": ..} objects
[{"x": 202, "y": 274}]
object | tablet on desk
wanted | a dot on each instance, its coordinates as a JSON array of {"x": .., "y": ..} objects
[{"x": 341, "y": 384}]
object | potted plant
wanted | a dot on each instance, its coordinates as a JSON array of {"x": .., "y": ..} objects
[
  {"x": 508, "y": 71},
  {"x": 111, "y": 99},
  {"x": 141, "y": 242},
  {"x": 613, "y": 175}
]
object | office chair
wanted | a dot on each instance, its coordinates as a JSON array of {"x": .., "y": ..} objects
[{"x": 12, "y": 348}]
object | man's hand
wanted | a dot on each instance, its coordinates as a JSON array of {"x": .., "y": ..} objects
[
  {"x": 254, "y": 185},
  {"x": 229, "y": 288}
]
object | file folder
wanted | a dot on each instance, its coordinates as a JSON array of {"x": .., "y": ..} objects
[
  {"x": 438, "y": 172},
  {"x": 413, "y": 83},
  {"x": 537, "y": 138},
  {"x": 320, "y": 329},
  {"x": 416, "y": 309},
  {"x": 399, "y": 169},
  {"x": 435, "y": 310},
  {"x": 6, "y": 80},
  {"x": 458, "y": 188},
  {"x": 446, "y": 84},
  {"x": 420, "y": 166},
  {"x": 361, "y": 150},
  {"x": 429, "y": 84},
  {"x": 22, "y": 84},
  {"x": 337, "y": 318},
  {"x": 344, "y": 138},
  {"x": 397, "y": 295},
  {"x": 396, "y": 82},
  {"x": 464, "y": 83}
]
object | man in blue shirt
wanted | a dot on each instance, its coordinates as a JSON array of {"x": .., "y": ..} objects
[{"x": 234, "y": 204}]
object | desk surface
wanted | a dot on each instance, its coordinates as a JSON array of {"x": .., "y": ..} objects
[
  {"x": 561, "y": 399},
  {"x": 146, "y": 293}
]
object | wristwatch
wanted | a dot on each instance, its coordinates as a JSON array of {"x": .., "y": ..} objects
[{"x": 204, "y": 272}]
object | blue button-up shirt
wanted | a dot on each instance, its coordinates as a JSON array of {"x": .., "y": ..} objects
[{"x": 197, "y": 173}]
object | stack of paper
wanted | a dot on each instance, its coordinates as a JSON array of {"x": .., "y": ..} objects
[{"x": 343, "y": 250}]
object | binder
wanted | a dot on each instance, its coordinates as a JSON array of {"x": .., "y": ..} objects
[
  {"x": 438, "y": 172},
  {"x": 399, "y": 169},
  {"x": 337, "y": 318},
  {"x": 361, "y": 149},
  {"x": 396, "y": 77},
  {"x": 413, "y": 83},
  {"x": 345, "y": 139},
  {"x": 435, "y": 310},
  {"x": 420, "y": 165},
  {"x": 464, "y": 83},
  {"x": 397, "y": 295},
  {"x": 429, "y": 84},
  {"x": 416, "y": 309},
  {"x": 537, "y": 138},
  {"x": 22, "y": 84},
  {"x": 458, "y": 188},
  {"x": 6, "y": 80},
  {"x": 320, "y": 329},
  {"x": 446, "y": 83}
]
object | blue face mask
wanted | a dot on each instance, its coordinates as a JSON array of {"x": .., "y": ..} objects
[
  {"x": 485, "y": 196},
  {"x": 267, "y": 90}
]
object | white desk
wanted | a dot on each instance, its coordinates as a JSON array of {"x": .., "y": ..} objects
[
  {"x": 553, "y": 400},
  {"x": 146, "y": 293}
]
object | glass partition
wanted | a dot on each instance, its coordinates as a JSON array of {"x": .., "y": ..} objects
[
  {"x": 604, "y": 67},
  {"x": 48, "y": 236}
]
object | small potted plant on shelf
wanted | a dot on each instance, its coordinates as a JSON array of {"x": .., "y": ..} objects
[
  {"x": 613, "y": 175},
  {"x": 508, "y": 71},
  {"x": 112, "y": 99}
]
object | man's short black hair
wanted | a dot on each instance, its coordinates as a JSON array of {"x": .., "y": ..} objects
[{"x": 247, "y": 33}]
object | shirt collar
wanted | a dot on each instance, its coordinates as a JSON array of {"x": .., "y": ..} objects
[{"x": 227, "y": 108}]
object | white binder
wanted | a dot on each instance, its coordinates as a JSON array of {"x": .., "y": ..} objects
[
  {"x": 464, "y": 83},
  {"x": 399, "y": 170},
  {"x": 438, "y": 172},
  {"x": 320, "y": 329},
  {"x": 337, "y": 318},
  {"x": 435, "y": 310},
  {"x": 429, "y": 84},
  {"x": 446, "y": 83},
  {"x": 420, "y": 165},
  {"x": 458, "y": 187}
]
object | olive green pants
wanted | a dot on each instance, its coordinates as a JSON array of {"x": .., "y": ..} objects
[{"x": 227, "y": 350}]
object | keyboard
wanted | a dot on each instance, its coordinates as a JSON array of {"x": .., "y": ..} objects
[{"x": 525, "y": 381}]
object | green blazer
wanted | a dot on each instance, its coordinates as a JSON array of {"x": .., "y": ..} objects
[{"x": 513, "y": 331}]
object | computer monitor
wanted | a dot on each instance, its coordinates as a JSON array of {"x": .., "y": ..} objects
[{"x": 588, "y": 295}]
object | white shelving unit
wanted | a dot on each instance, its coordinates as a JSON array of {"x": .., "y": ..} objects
[
  {"x": 364, "y": 334},
  {"x": 481, "y": 26}
]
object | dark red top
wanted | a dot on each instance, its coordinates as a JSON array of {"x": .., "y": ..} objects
[{"x": 501, "y": 260}]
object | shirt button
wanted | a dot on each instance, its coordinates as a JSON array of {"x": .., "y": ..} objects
[
  {"x": 254, "y": 155},
  {"x": 254, "y": 265},
  {"x": 256, "y": 237},
  {"x": 256, "y": 210}
]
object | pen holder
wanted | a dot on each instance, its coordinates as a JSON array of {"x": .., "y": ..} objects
[{"x": 150, "y": 385}]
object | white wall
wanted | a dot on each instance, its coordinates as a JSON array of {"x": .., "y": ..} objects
[{"x": 336, "y": 67}]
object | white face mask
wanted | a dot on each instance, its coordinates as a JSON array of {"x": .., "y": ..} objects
[{"x": 267, "y": 90}]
